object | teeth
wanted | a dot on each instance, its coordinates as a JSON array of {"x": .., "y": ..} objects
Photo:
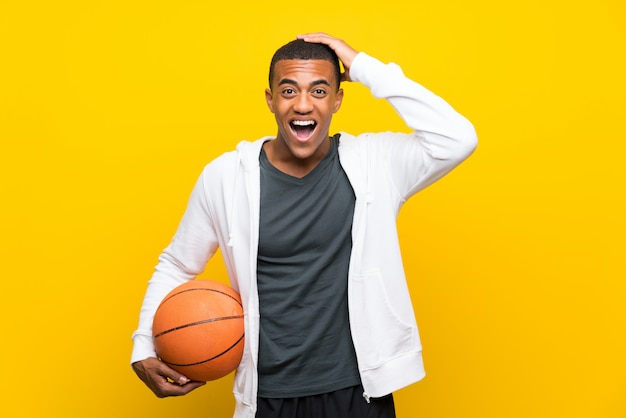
[{"x": 303, "y": 122}]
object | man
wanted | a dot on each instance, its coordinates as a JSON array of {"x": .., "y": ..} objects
[{"x": 307, "y": 227}]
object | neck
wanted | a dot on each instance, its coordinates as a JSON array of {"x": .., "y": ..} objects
[{"x": 284, "y": 160}]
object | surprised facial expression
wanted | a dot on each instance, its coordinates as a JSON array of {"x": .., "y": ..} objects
[{"x": 303, "y": 98}]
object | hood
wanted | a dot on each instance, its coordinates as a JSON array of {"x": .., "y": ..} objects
[{"x": 248, "y": 152}]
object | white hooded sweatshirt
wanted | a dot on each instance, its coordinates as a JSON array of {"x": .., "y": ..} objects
[{"x": 384, "y": 169}]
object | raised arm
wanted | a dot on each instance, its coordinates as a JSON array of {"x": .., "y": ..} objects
[{"x": 443, "y": 138}]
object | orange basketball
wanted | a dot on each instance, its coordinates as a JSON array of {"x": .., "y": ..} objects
[{"x": 198, "y": 330}]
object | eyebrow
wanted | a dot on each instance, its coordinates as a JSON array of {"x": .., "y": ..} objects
[{"x": 314, "y": 83}]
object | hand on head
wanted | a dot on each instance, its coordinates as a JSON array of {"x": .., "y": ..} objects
[{"x": 344, "y": 51}]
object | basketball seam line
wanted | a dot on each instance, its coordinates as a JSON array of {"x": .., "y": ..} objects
[
  {"x": 205, "y": 290},
  {"x": 207, "y": 360},
  {"x": 191, "y": 324}
]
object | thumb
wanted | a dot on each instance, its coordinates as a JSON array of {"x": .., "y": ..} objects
[
  {"x": 181, "y": 380},
  {"x": 173, "y": 376}
]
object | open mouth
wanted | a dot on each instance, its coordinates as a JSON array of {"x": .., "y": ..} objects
[{"x": 303, "y": 128}]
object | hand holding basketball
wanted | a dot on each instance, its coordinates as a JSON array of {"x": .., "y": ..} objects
[{"x": 155, "y": 375}]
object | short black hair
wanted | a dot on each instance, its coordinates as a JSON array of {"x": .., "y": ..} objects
[{"x": 302, "y": 50}]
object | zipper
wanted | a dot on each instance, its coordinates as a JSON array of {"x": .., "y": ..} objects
[{"x": 366, "y": 397}]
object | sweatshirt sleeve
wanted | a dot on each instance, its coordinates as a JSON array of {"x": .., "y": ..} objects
[
  {"x": 444, "y": 138},
  {"x": 183, "y": 259}
]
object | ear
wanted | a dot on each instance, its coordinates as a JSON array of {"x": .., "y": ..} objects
[
  {"x": 338, "y": 100},
  {"x": 268, "y": 99}
]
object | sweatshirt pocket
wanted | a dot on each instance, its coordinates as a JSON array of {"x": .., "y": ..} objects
[{"x": 379, "y": 332}]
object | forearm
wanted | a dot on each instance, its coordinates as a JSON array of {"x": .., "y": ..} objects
[
  {"x": 448, "y": 134},
  {"x": 159, "y": 286},
  {"x": 183, "y": 259}
]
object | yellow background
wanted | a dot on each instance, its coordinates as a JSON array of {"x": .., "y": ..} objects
[{"x": 110, "y": 109}]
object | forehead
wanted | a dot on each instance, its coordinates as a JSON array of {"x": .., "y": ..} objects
[{"x": 304, "y": 71}]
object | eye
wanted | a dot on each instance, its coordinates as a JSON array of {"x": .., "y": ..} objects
[
  {"x": 319, "y": 93},
  {"x": 288, "y": 92}
]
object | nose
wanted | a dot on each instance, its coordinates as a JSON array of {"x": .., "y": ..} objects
[{"x": 303, "y": 104}]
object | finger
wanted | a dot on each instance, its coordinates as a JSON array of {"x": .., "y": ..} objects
[
  {"x": 177, "y": 388},
  {"x": 170, "y": 375},
  {"x": 170, "y": 387},
  {"x": 344, "y": 52},
  {"x": 313, "y": 34},
  {"x": 180, "y": 380},
  {"x": 176, "y": 378},
  {"x": 318, "y": 37}
]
